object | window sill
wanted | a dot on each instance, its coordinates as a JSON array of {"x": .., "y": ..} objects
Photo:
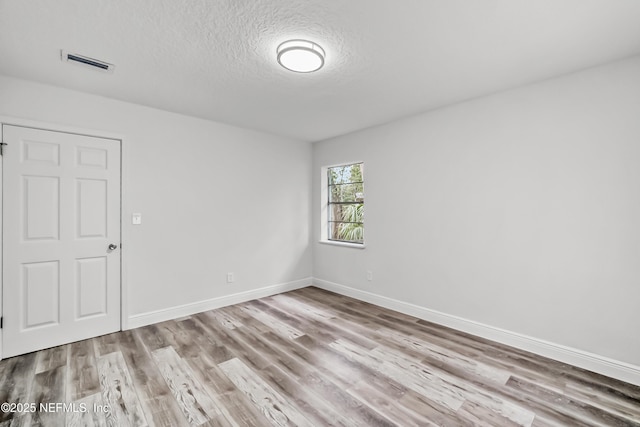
[{"x": 343, "y": 244}]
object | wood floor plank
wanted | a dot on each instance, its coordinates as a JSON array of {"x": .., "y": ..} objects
[
  {"x": 293, "y": 359},
  {"x": 521, "y": 398},
  {"x": 226, "y": 320},
  {"x": 358, "y": 412},
  {"x": 106, "y": 344},
  {"x": 17, "y": 382},
  {"x": 230, "y": 339},
  {"x": 540, "y": 422},
  {"x": 83, "y": 372},
  {"x": 292, "y": 304},
  {"x": 197, "y": 406},
  {"x": 152, "y": 337},
  {"x": 480, "y": 415},
  {"x": 274, "y": 407},
  {"x": 118, "y": 392},
  {"x": 18, "y": 421},
  {"x": 434, "y": 412},
  {"x": 174, "y": 336},
  {"x": 425, "y": 383},
  {"x": 195, "y": 352},
  {"x": 473, "y": 367},
  {"x": 160, "y": 408},
  {"x": 391, "y": 409},
  {"x": 248, "y": 322},
  {"x": 311, "y": 404},
  {"x": 205, "y": 341},
  {"x": 329, "y": 330},
  {"x": 275, "y": 349},
  {"x": 604, "y": 401},
  {"x": 49, "y": 389},
  {"x": 499, "y": 405},
  {"x": 460, "y": 343},
  {"x": 94, "y": 416},
  {"x": 583, "y": 412},
  {"x": 345, "y": 372},
  {"x": 335, "y": 367},
  {"x": 286, "y": 317},
  {"x": 318, "y": 373},
  {"x": 279, "y": 327},
  {"x": 52, "y": 358},
  {"x": 202, "y": 359},
  {"x": 626, "y": 394}
]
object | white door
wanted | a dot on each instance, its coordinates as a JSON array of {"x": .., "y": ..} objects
[{"x": 61, "y": 212}]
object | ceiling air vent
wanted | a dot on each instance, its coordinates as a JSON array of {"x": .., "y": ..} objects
[{"x": 85, "y": 61}]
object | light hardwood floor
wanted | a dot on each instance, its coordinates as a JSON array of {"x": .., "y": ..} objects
[{"x": 306, "y": 358}]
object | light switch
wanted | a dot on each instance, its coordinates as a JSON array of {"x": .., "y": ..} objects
[{"x": 136, "y": 218}]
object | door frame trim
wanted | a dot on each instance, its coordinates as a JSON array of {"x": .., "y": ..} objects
[{"x": 124, "y": 202}]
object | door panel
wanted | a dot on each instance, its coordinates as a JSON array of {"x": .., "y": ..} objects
[
  {"x": 40, "y": 283},
  {"x": 92, "y": 157},
  {"x": 41, "y": 152},
  {"x": 41, "y": 208},
  {"x": 92, "y": 207},
  {"x": 61, "y": 210},
  {"x": 90, "y": 283}
]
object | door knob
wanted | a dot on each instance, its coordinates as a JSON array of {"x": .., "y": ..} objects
[{"x": 113, "y": 247}]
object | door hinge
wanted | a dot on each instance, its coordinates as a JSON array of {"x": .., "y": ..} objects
[
  {"x": 1, "y": 322},
  {"x": 2, "y": 144}
]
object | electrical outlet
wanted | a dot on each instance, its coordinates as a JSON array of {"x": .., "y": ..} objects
[
  {"x": 369, "y": 275},
  {"x": 230, "y": 278}
]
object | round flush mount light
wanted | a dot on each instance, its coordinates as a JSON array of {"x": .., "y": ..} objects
[{"x": 301, "y": 56}]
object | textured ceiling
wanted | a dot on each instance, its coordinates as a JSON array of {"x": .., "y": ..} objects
[{"x": 215, "y": 59}]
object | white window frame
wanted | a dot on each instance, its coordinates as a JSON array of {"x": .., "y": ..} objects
[{"x": 324, "y": 206}]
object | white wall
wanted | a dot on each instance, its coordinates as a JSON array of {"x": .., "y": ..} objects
[
  {"x": 520, "y": 211},
  {"x": 214, "y": 198}
]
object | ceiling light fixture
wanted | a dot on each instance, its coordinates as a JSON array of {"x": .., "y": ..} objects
[{"x": 301, "y": 56}]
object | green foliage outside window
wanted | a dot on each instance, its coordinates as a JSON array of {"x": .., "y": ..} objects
[{"x": 346, "y": 203}]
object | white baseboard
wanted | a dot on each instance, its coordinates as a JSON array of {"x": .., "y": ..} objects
[
  {"x": 582, "y": 359},
  {"x": 143, "y": 319}
]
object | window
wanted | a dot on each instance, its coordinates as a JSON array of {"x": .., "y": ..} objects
[{"x": 345, "y": 204}]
